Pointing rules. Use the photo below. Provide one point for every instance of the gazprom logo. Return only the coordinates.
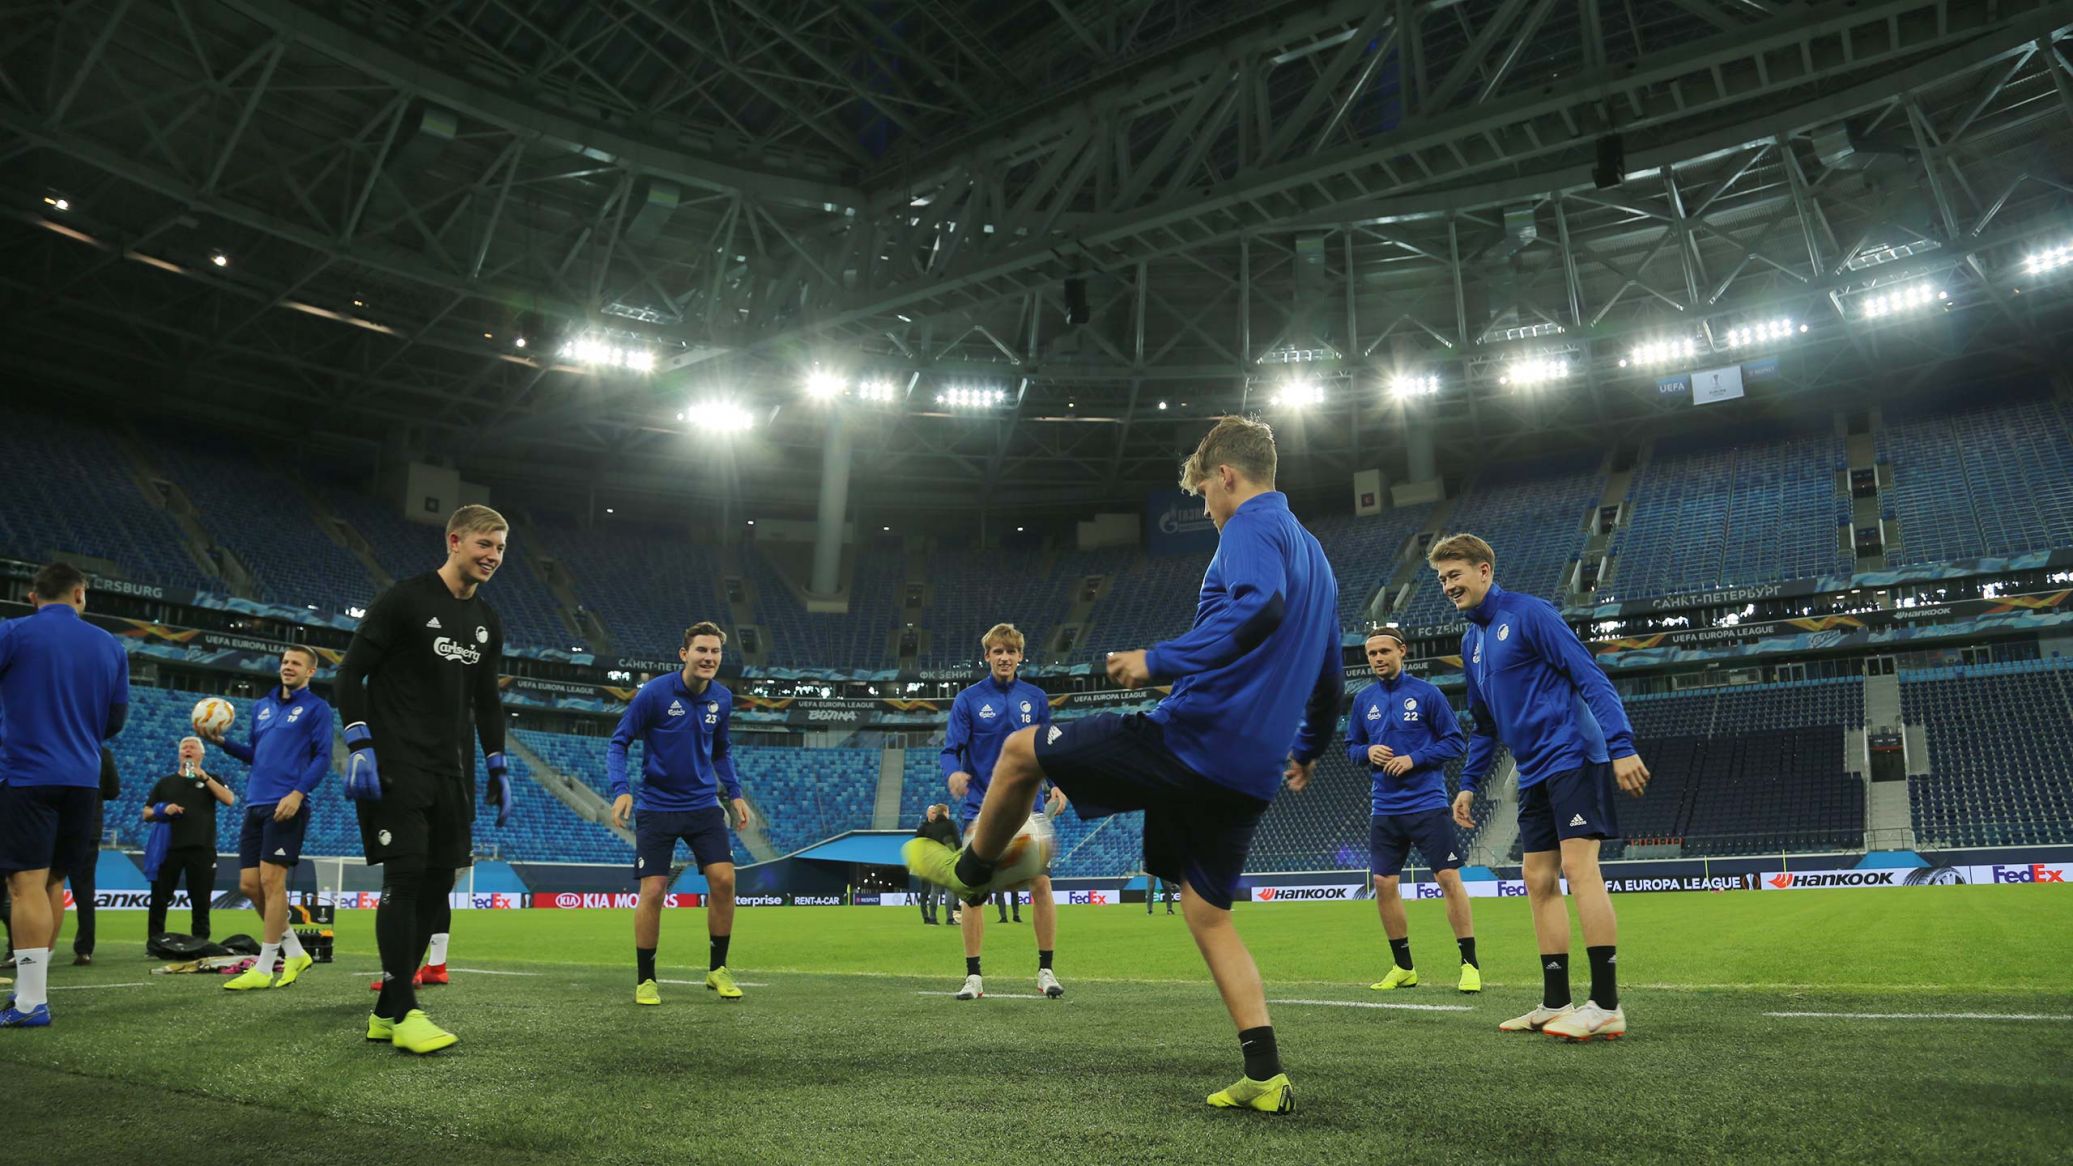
(1182, 519)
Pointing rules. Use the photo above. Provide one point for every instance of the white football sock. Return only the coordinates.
(268, 953)
(437, 955)
(31, 977)
(291, 946)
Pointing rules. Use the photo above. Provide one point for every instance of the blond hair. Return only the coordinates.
(1464, 546)
(1001, 633)
(475, 519)
(1243, 444)
(704, 627)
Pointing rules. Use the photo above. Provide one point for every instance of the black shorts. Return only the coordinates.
(49, 827)
(1576, 803)
(1194, 829)
(1391, 836)
(655, 834)
(262, 839)
(422, 817)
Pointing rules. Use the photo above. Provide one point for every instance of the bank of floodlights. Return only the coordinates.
(1410, 385)
(1533, 371)
(1762, 332)
(1900, 300)
(718, 415)
(1299, 393)
(2049, 259)
(1658, 352)
(971, 397)
(879, 391)
(601, 352)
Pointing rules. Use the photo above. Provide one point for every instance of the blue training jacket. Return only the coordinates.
(1257, 679)
(685, 758)
(288, 745)
(1411, 717)
(64, 688)
(981, 718)
(1534, 686)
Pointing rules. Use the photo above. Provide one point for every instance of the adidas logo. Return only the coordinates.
(1452, 857)
(676, 708)
(1051, 738)
(1554, 965)
(433, 622)
(1577, 821)
(281, 850)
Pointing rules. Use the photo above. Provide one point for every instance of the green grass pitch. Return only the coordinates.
(841, 1054)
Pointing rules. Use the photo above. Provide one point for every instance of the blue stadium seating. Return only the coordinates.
(970, 592)
(646, 584)
(2000, 753)
(70, 488)
(261, 515)
(1534, 516)
(860, 638)
(1717, 511)
(1980, 482)
(1748, 769)
(1363, 551)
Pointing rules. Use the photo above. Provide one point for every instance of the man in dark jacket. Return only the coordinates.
(186, 802)
(82, 879)
(941, 828)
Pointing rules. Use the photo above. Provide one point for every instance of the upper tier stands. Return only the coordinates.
(970, 591)
(1715, 511)
(860, 638)
(2000, 753)
(71, 488)
(647, 584)
(1534, 516)
(1363, 550)
(1982, 482)
(262, 516)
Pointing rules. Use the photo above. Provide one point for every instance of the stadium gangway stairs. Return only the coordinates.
(584, 802)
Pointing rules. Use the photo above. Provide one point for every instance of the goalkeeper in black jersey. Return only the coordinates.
(418, 682)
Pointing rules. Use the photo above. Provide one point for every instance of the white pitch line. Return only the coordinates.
(1378, 1004)
(494, 972)
(84, 987)
(991, 995)
(701, 983)
(1920, 1015)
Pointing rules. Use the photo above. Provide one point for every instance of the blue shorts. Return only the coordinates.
(1194, 829)
(1391, 836)
(655, 834)
(261, 839)
(1576, 803)
(49, 827)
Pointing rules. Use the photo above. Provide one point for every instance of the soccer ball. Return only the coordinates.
(213, 715)
(1028, 855)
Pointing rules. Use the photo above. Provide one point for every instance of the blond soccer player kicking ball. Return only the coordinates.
(1533, 686)
(1256, 687)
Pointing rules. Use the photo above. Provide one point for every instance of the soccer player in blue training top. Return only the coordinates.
(981, 718)
(686, 767)
(1403, 731)
(1256, 685)
(1533, 686)
(64, 689)
(422, 668)
(288, 746)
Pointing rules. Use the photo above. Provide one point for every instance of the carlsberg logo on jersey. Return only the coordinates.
(455, 650)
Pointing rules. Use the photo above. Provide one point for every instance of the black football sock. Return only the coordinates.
(645, 957)
(1605, 976)
(971, 965)
(1043, 959)
(973, 871)
(1554, 972)
(396, 938)
(718, 958)
(1468, 951)
(434, 909)
(1400, 949)
(1262, 1059)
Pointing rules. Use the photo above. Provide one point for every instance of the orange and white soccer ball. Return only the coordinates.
(1028, 854)
(213, 715)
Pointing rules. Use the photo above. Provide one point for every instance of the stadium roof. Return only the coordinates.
(341, 218)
